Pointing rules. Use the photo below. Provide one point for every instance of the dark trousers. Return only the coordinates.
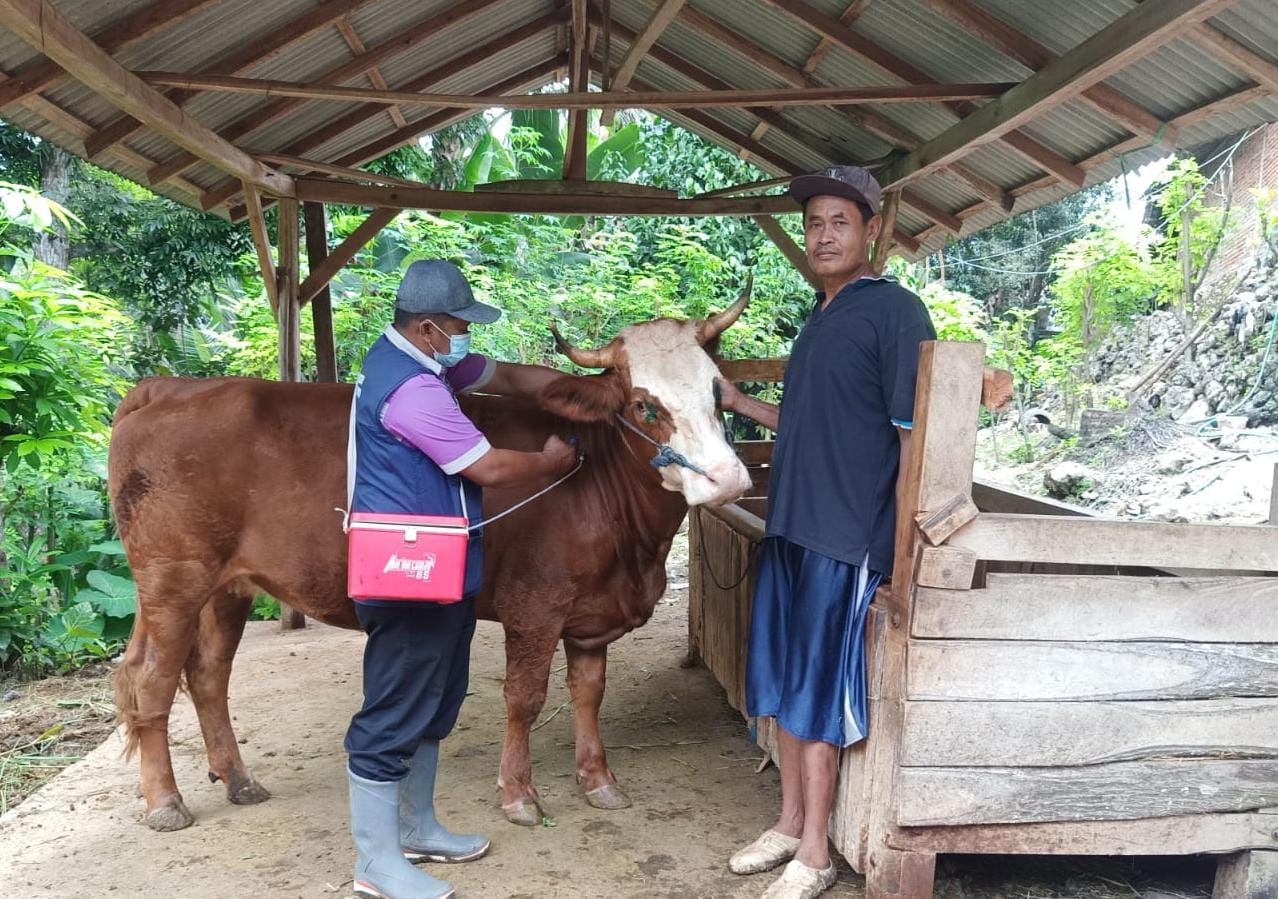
(416, 670)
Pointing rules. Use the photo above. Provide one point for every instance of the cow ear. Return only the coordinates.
(584, 398)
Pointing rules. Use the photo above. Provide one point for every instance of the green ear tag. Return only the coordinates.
(650, 413)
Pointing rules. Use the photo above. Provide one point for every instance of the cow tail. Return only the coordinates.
(125, 689)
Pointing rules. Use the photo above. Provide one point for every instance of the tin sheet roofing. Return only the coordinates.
(766, 48)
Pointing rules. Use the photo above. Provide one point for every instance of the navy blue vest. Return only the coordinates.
(395, 477)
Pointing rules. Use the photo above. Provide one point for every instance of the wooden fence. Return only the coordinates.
(1040, 682)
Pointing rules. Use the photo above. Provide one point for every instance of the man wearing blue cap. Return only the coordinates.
(418, 454)
(843, 425)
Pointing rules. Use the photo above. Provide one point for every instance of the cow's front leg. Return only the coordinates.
(587, 673)
(528, 658)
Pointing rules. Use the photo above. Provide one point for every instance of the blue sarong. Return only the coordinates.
(806, 665)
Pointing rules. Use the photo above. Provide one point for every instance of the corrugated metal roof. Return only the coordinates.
(1169, 81)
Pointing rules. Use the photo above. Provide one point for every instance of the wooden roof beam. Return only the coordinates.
(1263, 71)
(578, 82)
(1106, 52)
(43, 72)
(585, 100)
(475, 56)
(1033, 55)
(520, 83)
(41, 25)
(752, 143)
(662, 16)
(242, 58)
(1043, 156)
(854, 11)
(338, 171)
(360, 65)
(357, 46)
(863, 115)
(517, 202)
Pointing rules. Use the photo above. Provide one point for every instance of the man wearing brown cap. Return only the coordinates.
(841, 430)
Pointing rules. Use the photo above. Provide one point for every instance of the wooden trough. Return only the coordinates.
(1039, 682)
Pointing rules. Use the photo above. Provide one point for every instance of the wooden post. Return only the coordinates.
(1273, 497)
(937, 466)
(322, 304)
(883, 246)
(791, 250)
(289, 317)
(578, 80)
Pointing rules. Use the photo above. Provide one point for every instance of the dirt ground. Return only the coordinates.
(680, 751)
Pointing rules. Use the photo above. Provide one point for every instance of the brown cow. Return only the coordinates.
(225, 487)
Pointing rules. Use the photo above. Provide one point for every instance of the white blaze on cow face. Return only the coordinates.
(666, 362)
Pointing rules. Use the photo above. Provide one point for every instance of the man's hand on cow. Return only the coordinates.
(559, 454)
(729, 395)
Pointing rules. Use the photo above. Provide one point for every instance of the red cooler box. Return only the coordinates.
(409, 557)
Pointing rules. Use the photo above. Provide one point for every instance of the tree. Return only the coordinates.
(1008, 264)
(1193, 233)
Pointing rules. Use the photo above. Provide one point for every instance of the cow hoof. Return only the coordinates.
(609, 796)
(168, 818)
(525, 812)
(250, 793)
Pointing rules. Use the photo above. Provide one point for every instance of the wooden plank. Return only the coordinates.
(375, 78)
(42, 73)
(755, 452)
(1119, 791)
(362, 63)
(1220, 45)
(1273, 497)
(40, 24)
(662, 16)
(760, 479)
(1096, 541)
(1039, 734)
(1248, 875)
(738, 519)
(344, 252)
(696, 589)
(341, 171)
(1009, 671)
(948, 518)
(789, 249)
(262, 243)
(1181, 835)
(938, 464)
(1090, 608)
(759, 370)
(850, 822)
(996, 389)
(544, 204)
(1108, 51)
(260, 49)
(577, 188)
(585, 100)
(946, 568)
(322, 302)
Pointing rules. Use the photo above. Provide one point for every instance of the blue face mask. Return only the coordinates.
(458, 349)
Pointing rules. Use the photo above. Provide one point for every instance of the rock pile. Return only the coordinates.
(1219, 373)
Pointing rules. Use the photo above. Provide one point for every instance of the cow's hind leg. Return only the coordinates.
(587, 674)
(169, 600)
(527, 676)
(208, 675)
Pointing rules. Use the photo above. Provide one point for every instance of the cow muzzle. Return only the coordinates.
(723, 482)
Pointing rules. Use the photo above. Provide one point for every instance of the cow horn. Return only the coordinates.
(716, 324)
(601, 358)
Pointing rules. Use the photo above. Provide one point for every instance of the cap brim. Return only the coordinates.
(805, 187)
(477, 313)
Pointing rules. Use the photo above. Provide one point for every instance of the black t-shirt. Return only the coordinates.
(848, 386)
